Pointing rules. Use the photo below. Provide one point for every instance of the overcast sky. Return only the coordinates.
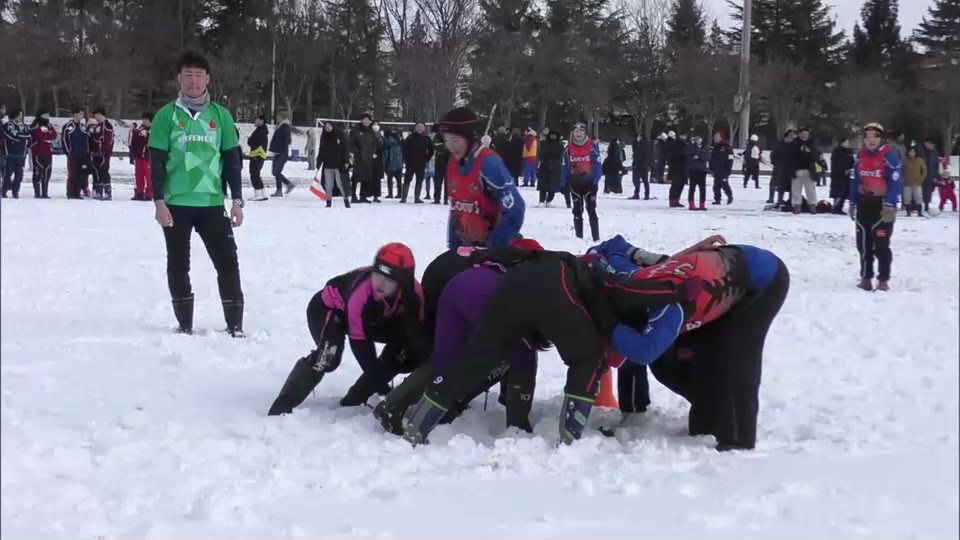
(847, 12)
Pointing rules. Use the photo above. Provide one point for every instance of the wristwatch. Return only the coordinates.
(238, 203)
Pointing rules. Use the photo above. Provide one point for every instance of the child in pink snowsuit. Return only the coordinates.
(946, 187)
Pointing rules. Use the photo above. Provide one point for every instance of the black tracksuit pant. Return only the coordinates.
(256, 179)
(100, 166)
(440, 178)
(752, 171)
(718, 366)
(677, 181)
(583, 193)
(698, 179)
(407, 178)
(641, 174)
(42, 169)
(78, 167)
(722, 184)
(873, 238)
(540, 297)
(213, 225)
(13, 175)
(279, 162)
(391, 176)
(633, 390)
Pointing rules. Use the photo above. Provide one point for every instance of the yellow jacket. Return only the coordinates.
(530, 148)
(258, 153)
(914, 171)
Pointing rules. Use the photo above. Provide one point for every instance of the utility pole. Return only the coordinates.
(742, 101)
(273, 83)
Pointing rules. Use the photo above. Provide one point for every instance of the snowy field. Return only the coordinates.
(114, 427)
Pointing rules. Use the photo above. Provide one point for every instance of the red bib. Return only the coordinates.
(474, 214)
(872, 169)
(581, 158)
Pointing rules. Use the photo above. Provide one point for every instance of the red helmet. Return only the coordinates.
(395, 261)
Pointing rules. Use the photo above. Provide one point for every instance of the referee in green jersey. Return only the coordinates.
(192, 152)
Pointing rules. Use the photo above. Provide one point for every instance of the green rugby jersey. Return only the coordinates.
(194, 144)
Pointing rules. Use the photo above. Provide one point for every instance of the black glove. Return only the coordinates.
(367, 384)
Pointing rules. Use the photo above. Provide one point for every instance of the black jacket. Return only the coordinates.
(282, 137)
(551, 160)
(841, 161)
(782, 156)
(700, 158)
(258, 139)
(333, 151)
(641, 155)
(721, 160)
(417, 151)
(805, 156)
(614, 152)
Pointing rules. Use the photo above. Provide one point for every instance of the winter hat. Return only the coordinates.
(526, 243)
(663, 136)
(395, 261)
(754, 138)
(461, 121)
(672, 134)
(367, 116)
(532, 132)
(874, 126)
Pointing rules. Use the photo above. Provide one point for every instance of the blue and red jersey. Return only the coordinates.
(581, 159)
(876, 174)
(486, 209)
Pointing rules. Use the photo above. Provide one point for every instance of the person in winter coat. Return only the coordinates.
(514, 154)
(363, 149)
(551, 165)
(374, 304)
(76, 142)
(581, 173)
(280, 148)
(874, 190)
(805, 159)
(142, 187)
(841, 166)
(751, 161)
(101, 150)
(417, 151)
(393, 161)
(699, 162)
(529, 158)
(914, 173)
(933, 166)
(613, 167)
(660, 157)
(375, 188)
(498, 142)
(486, 208)
(641, 168)
(332, 157)
(42, 136)
(676, 151)
(17, 137)
(441, 158)
(946, 187)
(721, 165)
(257, 142)
(783, 168)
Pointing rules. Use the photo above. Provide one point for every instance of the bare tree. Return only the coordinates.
(645, 92)
(786, 89)
(452, 23)
(865, 97)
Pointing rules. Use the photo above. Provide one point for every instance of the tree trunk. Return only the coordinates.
(311, 119)
(117, 111)
(36, 99)
(543, 116)
(508, 116)
(56, 100)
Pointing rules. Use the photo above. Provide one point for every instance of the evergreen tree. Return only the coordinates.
(800, 31)
(939, 33)
(687, 26)
(718, 42)
(877, 42)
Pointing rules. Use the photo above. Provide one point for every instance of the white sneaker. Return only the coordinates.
(540, 205)
(259, 195)
(548, 205)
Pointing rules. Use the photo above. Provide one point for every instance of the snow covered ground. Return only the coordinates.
(114, 427)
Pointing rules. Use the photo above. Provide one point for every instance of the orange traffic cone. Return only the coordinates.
(605, 397)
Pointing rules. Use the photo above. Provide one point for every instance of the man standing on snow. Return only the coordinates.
(41, 148)
(257, 142)
(874, 190)
(580, 174)
(486, 208)
(721, 164)
(417, 149)
(17, 136)
(76, 142)
(101, 150)
(806, 157)
(193, 150)
(280, 148)
(363, 149)
(641, 168)
(751, 162)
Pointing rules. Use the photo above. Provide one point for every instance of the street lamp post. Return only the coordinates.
(743, 96)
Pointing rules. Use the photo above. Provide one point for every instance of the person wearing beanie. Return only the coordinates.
(752, 155)
(580, 173)
(486, 208)
(456, 290)
(380, 303)
(17, 136)
(41, 148)
(874, 191)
